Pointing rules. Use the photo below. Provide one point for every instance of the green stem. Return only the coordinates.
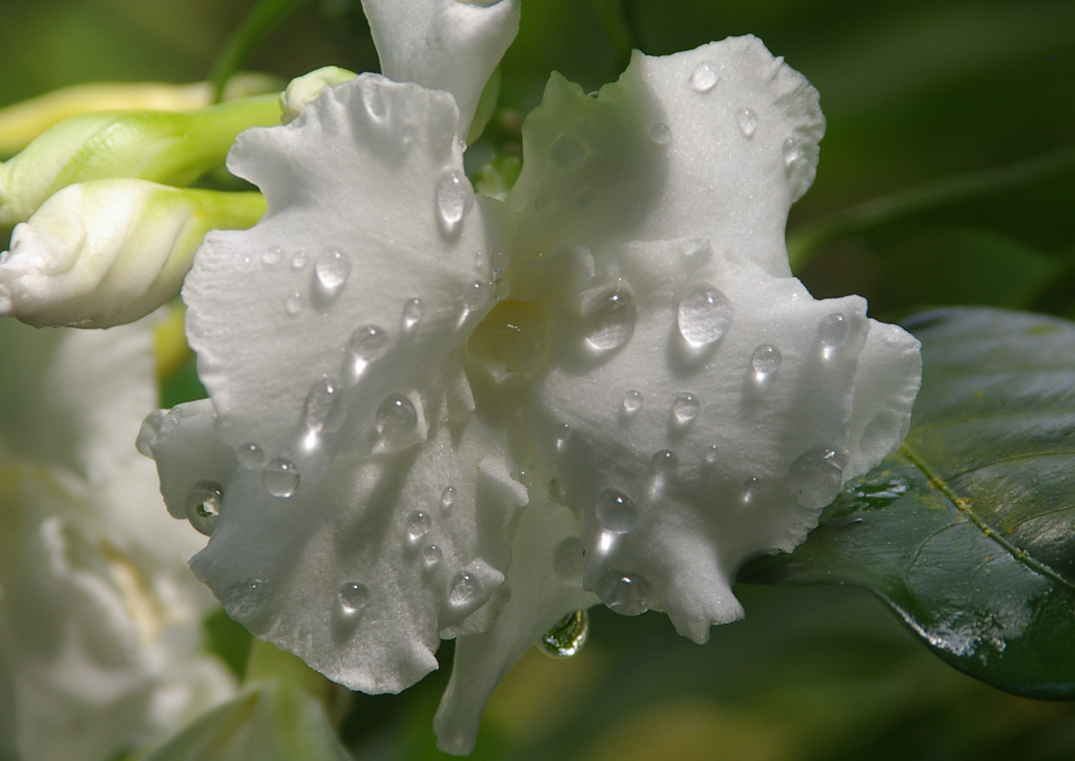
(617, 29)
(804, 244)
(255, 27)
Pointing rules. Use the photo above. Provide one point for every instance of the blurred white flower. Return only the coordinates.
(437, 415)
(100, 622)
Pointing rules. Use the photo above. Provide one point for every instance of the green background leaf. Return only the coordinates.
(968, 531)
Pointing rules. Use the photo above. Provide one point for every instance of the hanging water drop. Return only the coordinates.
(832, 332)
(765, 361)
(332, 270)
(685, 409)
(632, 403)
(412, 315)
(660, 133)
(747, 121)
(280, 477)
(703, 316)
(418, 525)
(454, 198)
(704, 77)
(628, 594)
(665, 461)
(465, 590)
(567, 152)
(815, 478)
(567, 636)
(569, 558)
(250, 455)
(272, 256)
(204, 501)
(395, 419)
(447, 497)
(368, 344)
(610, 319)
(616, 512)
(352, 599)
(431, 557)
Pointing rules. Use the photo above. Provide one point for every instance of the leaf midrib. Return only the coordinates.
(963, 505)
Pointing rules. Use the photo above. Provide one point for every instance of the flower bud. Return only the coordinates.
(302, 90)
(173, 148)
(104, 253)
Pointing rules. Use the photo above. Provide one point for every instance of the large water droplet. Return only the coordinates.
(412, 315)
(685, 409)
(832, 332)
(418, 525)
(569, 558)
(280, 477)
(455, 198)
(431, 557)
(323, 409)
(250, 455)
(704, 77)
(704, 315)
(332, 270)
(660, 133)
(610, 319)
(447, 498)
(465, 590)
(293, 303)
(632, 403)
(816, 476)
(352, 599)
(203, 506)
(567, 636)
(665, 461)
(272, 256)
(395, 418)
(628, 594)
(747, 121)
(567, 151)
(765, 361)
(616, 512)
(368, 344)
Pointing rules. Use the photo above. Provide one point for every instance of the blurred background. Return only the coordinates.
(947, 176)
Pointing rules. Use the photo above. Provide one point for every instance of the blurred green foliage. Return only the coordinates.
(915, 93)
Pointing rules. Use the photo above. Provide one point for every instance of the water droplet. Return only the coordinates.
(765, 360)
(395, 417)
(352, 599)
(250, 455)
(567, 151)
(245, 600)
(280, 477)
(476, 296)
(464, 590)
(272, 256)
(628, 594)
(322, 407)
(696, 252)
(293, 303)
(815, 478)
(203, 506)
(524, 477)
(373, 100)
(750, 489)
(299, 260)
(616, 512)
(567, 636)
(447, 497)
(332, 270)
(704, 315)
(660, 133)
(454, 197)
(711, 455)
(479, 260)
(418, 525)
(610, 319)
(431, 556)
(832, 332)
(665, 461)
(569, 558)
(632, 403)
(685, 409)
(556, 491)
(368, 344)
(793, 153)
(412, 314)
(704, 77)
(563, 430)
(747, 121)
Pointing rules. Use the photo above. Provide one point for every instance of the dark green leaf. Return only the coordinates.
(968, 532)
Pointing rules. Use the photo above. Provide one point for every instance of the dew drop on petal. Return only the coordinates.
(632, 403)
(280, 477)
(569, 558)
(704, 77)
(750, 490)
(832, 332)
(660, 133)
(322, 406)
(476, 295)
(250, 455)
(685, 409)
(523, 477)
(704, 315)
(395, 417)
(454, 199)
(299, 260)
(610, 319)
(418, 525)
(272, 256)
(431, 556)
(412, 314)
(747, 120)
(567, 152)
(616, 512)
(293, 303)
(246, 600)
(352, 599)
(567, 636)
(711, 454)
(765, 361)
(563, 430)
(447, 497)
(793, 153)
(332, 270)
(373, 100)
(665, 461)
(815, 478)
(464, 590)
(368, 344)
(204, 501)
(628, 594)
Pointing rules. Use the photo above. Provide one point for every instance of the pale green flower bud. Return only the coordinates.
(173, 148)
(302, 90)
(107, 252)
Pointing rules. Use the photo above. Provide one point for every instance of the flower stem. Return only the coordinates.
(255, 27)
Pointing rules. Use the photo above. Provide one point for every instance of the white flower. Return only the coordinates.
(99, 621)
(434, 415)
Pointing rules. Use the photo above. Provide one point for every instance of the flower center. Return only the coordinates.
(513, 338)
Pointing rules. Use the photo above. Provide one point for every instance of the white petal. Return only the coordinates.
(451, 45)
(662, 154)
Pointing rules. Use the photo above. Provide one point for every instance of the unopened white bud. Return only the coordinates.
(302, 90)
